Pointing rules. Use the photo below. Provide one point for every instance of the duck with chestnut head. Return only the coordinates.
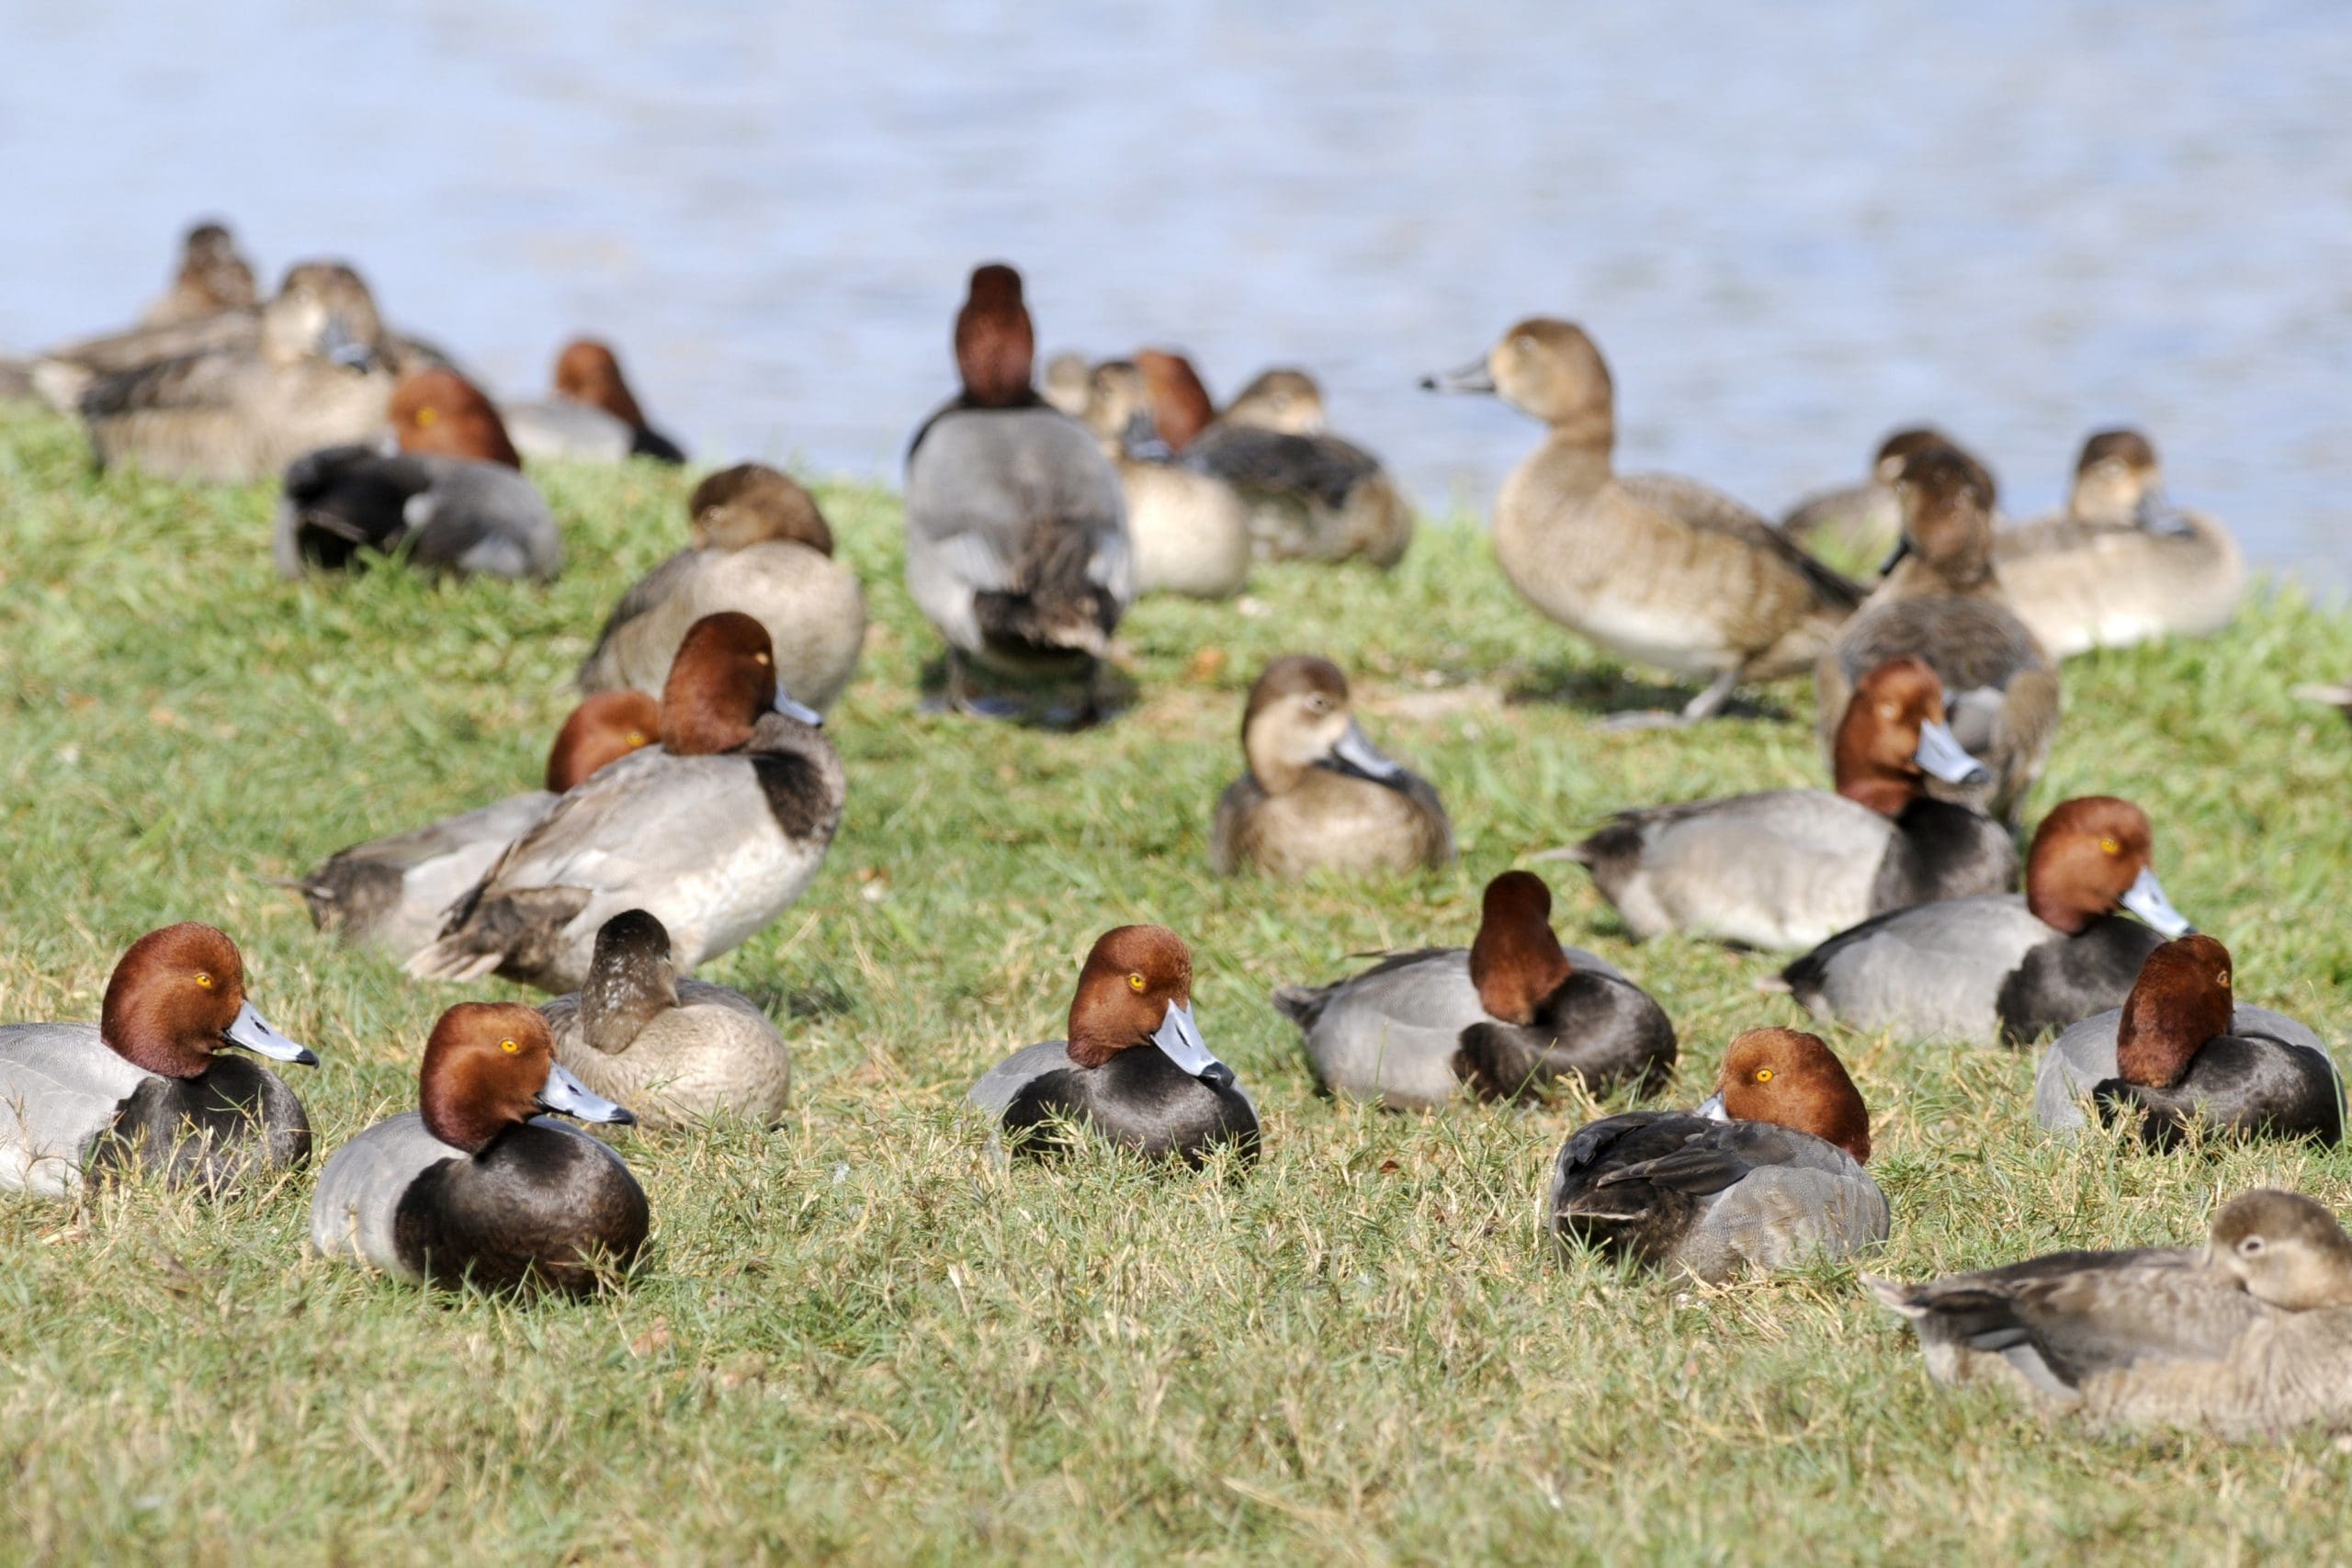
(479, 1186)
(151, 1088)
(593, 417)
(1133, 1070)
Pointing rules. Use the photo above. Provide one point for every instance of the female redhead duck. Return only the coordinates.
(453, 497)
(1017, 547)
(759, 545)
(1654, 570)
(1788, 868)
(476, 1185)
(212, 278)
(2183, 1049)
(1768, 1173)
(1133, 1070)
(1514, 1012)
(2252, 1335)
(1318, 795)
(1189, 530)
(392, 894)
(593, 417)
(714, 832)
(1971, 969)
(1860, 524)
(146, 1088)
(1942, 602)
(679, 1052)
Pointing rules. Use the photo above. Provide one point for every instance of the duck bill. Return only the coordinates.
(1941, 755)
(2145, 897)
(800, 711)
(1179, 1039)
(1475, 377)
(2156, 514)
(1355, 753)
(567, 1096)
(253, 1031)
(1140, 441)
(1712, 1107)
(341, 348)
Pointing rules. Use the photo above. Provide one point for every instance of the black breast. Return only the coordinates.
(542, 1205)
(347, 498)
(2247, 1085)
(1140, 1100)
(1943, 851)
(2066, 979)
(1604, 1030)
(799, 796)
(232, 1121)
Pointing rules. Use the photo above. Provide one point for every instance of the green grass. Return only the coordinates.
(851, 1336)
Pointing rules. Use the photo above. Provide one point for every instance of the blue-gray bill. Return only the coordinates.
(253, 1031)
(1179, 1039)
(570, 1097)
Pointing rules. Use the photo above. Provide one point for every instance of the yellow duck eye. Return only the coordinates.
(511, 1047)
(204, 979)
(2111, 846)
(1763, 1075)
(635, 737)
(425, 416)
(2224, 978)
(1135, 982)
(761, 659)
(1889, 712)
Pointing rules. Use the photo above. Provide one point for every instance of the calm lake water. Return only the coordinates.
(2021, 221)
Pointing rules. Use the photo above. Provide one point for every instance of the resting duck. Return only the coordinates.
(2182, 1050)
(714, 832)
(1134, 1071)
(593, 417)
(1189, 530)
(1514, 1012)
(1318, 795)
(1766, 1174)
(759, 545)
(212, 278)
(1787, 868)
(146, 1089)
(1974, 969)
(475, 1187)
(1858, 525)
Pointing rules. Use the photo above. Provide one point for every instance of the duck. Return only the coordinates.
(1315, 794)
(2120, 565)
(392, 895)
(714, 831)
(1785, 870)
(149, 1089)
(2182, 1049)
(1133, 1070)
(758, 544)
(476, 1185)
(2250, 1334)
(1861, 522)
(452, 499)
(1017, 543)
(1189, 530)
(1311, 495)
(1770, 1172)
(593, 417)
(1657, 571)
(213, 276)
(2001, 967)
(1943, 602)
(1515, 1011)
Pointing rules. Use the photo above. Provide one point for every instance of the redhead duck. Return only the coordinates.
(2182, 1048)
(1654, 570)
(393, 894)
(1971, 969)
(1134, 1069)
(759, 545)
(1943, 603)
(452, 499)
(677, 1051)
(475, 1187)
(2119, 564)
(2250, 1334)
(1317, 795)
(1189, 530)
(1769, 1172)
(593, 417)
(1514, 1012)
(714, 832)
(212, 278)
(1788, 868)
(146, 1088)
(1017, 547)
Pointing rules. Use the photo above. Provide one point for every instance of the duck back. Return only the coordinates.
(1331, 821)
(1138, 1100)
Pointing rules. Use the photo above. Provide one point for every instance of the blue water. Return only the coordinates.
(2020, 221)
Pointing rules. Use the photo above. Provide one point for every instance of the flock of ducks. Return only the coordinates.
(692, 796)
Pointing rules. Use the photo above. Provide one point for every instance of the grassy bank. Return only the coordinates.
(852, 1337)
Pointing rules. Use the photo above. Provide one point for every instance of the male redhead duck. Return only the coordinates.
(1943, 603)
(393, 894)
(2003, 966)
(1317, 795)
(1189, 530)
(452, 500)
(1767, 1173)
(475, 1187)
(1512, 1013)
(1858, 525)
(2119, 564)
(2250, 1336)
(759, 545)
(714, 832)
(212, 278)
(1656, 570)
(678, 1052)
(1017, 547)
(146, 1088)
(2182, 1049)
(1133, 1070)
(593, 417)
(1786, 869)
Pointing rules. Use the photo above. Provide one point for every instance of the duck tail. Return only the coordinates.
(454, 958)
(1301, 1004)
(1059, 600)
(1896, 1295)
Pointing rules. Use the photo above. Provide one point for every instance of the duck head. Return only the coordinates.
(179, 996)
(604, 728)
(1895, 736)
(1282, 399)
(1550, 369)
(1946, 500)
(1117, 407)
(1298, 717)
(2090, 856)
(722, 680)
(995, 346)
(323, 309)
(2119, 481)
(2283, 1248)
(588, 371)
(751, 504)
(1515, 961)
(439, 414)
(1063, 383)
(2181, 999)
(1181, 405)
(491, 1065)
(631, 980)
(211, 266)
(1792, 1080)
(1137, 991)
(1886, 464)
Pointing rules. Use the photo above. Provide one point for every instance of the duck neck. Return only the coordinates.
(625, 995)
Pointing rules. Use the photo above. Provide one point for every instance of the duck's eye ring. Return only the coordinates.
(1136, 983)
(2223, 978)
(1319, 703)
(2111, 846)
(512, 1047)
(204, 979)
(1763, 1075)
(2250, 1245)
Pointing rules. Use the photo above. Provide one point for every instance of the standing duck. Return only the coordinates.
(593, 417)
(1654, 570)
(1860, 524)
(1189, 530)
